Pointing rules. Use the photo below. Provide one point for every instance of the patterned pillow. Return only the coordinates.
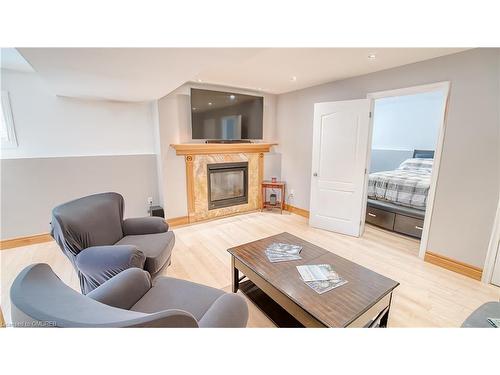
(417, 164)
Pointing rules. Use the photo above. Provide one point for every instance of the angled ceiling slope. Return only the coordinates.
(125, 74)
(141, 74)
(11, 59)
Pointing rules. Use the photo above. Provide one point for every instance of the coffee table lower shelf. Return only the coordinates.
(277, 314)
(285, 313)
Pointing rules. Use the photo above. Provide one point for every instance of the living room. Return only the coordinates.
(200, 186)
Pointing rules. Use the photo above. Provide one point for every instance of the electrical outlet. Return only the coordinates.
(150, 201)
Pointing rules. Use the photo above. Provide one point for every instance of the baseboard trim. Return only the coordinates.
(296, 210)
(25, 241)
(454, 265)
(176, 221)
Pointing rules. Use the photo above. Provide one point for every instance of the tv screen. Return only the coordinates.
(225, 115)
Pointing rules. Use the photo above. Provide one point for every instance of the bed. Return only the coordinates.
(397, 199)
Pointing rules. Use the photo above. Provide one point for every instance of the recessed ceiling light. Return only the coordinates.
(209, 103)
(194, 108)
(293, 79)
(372, 56)
(232, 97)
(199, 80)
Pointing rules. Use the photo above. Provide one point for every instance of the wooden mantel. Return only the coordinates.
(220, 148)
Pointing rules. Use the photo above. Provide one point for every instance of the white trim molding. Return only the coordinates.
(437, 86)
(10, 140)
(492, 253)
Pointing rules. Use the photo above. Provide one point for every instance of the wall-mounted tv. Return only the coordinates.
(217, 115)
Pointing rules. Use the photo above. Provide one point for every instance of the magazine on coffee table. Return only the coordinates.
(495, 322)
(323, 286)
(320, 277)
(317, 272)
(285, 248)
(282, 252)
(275, 259)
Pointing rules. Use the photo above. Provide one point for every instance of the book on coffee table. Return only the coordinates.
(320, 277)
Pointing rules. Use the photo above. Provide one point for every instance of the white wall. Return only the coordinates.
(402, 124)
(175, 127)
(48, 125)
(468, 184)
(407, 122)
(69, 148)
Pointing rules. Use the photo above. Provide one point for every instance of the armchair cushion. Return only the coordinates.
(209, 306)
(169, 293)
(123, 290)
(144, 225)
(170, 319)
(228, 311)
(156, 247)
(97, 264)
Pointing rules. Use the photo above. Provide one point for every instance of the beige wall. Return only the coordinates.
(174, 126)
(468, 184)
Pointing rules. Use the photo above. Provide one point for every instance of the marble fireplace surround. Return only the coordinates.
(198, 155)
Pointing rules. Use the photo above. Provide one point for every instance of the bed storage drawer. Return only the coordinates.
(408, 225)
(380, 218)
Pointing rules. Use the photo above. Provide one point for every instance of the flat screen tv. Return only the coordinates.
(217, 115)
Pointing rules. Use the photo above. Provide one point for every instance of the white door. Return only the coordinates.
(340, 146)
(495, 279)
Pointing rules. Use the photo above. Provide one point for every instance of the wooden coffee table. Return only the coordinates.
(363, 302)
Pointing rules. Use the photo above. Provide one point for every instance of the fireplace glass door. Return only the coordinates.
(227, 184)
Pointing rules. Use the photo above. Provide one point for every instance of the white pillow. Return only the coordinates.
(417, 164)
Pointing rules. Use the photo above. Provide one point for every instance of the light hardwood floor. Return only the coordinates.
(429, 296)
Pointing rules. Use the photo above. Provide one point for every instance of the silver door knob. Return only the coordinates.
(315, 174)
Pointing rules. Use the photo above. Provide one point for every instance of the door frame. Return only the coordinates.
(443, 86)
(493, 247)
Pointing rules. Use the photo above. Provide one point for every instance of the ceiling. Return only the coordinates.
(141, 74)
(208, 100)
(11, 59)
(272, 70)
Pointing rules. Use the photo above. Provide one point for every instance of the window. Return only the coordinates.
(7, 131)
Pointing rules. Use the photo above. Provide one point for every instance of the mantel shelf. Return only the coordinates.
(220, 148)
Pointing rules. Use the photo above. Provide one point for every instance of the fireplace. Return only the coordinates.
(227, 184)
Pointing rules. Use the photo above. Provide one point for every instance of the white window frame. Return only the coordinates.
(11, 141)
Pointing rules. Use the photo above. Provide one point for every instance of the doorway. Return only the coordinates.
(406, 136)
(342, 142)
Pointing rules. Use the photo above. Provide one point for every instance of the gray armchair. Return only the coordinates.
(40, 299)
(479, 317)
(100, 244)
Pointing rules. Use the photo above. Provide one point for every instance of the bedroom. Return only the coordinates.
(403, 171)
